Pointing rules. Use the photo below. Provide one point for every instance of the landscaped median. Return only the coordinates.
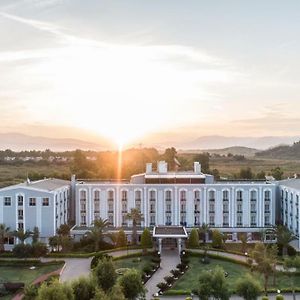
(25, 272)
(188, 282)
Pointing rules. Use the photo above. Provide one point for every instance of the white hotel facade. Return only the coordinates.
(186, 199)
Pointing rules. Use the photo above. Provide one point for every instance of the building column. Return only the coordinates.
(179, 245)
(159, 245)
(146, 213)
(177, 211)
(204, 211)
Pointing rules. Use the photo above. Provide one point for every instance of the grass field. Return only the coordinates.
(133, 263)
(10, 174)
(189, 280)
(228, 167)
(24, 274)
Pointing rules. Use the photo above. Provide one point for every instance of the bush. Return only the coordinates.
(98, 257)
(169, 279)
(146, 239)
(163, 286)
(30, 292)
(121, 238)
(265, 298)
(147, 269)
(181, 267)
(279, 297)
(175, 273)
(193, 240)
(83, 288)
(22, 250)
(105, 274)
(39, 249)
(217, 239)
(131, 284)
(248, 288)
(290, 250)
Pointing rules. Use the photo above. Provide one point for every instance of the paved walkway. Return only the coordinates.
(169, 260)
(77, 267)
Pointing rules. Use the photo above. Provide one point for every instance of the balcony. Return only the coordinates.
(197, 223)
(211, 211)
(168, 223)
(168, 211)
(124, 211)
(152, 211)
(253, 225)
(196, 211)
(110, 211)
(226, 211)
(226, 224)
(20, 218)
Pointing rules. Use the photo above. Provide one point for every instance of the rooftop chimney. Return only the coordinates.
(162, 167)
(197, 167)
(148, 168)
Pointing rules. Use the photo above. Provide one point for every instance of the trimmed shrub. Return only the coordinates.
(169, 279)
(175, 273)
(279, 297)
(22, 250)
(193, 240)
(162, 286)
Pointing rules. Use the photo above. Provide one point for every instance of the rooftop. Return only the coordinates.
(292, 183)
(169, 231)
(47, 184)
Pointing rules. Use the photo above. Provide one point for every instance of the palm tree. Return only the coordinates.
(4, 233)
(96, 232)
(22, 235)
(284, 237)
(203, 232)
(136, 217)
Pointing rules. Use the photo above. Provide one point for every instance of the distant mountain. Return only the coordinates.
(282, 152)
(18, 142)
(221, 142)
(249, 152)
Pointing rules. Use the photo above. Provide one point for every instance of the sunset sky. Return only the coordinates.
(123, 69)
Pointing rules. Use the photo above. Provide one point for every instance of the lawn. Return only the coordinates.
(189, 280)
(24, 274)
(133, 262)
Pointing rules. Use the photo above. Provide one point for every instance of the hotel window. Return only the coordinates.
(20, 226)
(20, 214)
(239, 195)
(253, 196)
(152, 208)
(225, 220)
(124, 195)
(45, 201)
(124, 220)
(211, 205)
(7, 201)
(182, 195)
(168, 196)
(211, 220)
(239, 206)
(168, 208)
(110, 195)
(197, 195)
(239, 220)
(168, 220)
(225, 206)
(111, 219)
(96, 195)
(267, 196)
(152, 195)
(225, 195)
(138, 199)
(253, 220)
(152, 220)
(20, 201)
(211, 195)
(267, 220)
(32, 201)
(83, 220)
(267, 207)
(110, 206)
(96, 201)
(124, 206)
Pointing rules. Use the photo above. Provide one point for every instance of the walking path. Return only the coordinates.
(169, 260)
(77, 267)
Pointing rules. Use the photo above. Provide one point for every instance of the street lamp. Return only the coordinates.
(278, 292)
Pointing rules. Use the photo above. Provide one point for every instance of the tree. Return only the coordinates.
(246, 173)
(64, 230)
(116, 293)
(22, 235)
(100, 295)
(170, 156)
(55, 291)
(277, 173)
(35, 235)
(53, 242)
(105, 274)
(261, 175)
(284, 237)
(248, 287)
(96, 232)
(213, 284)
(83, 288)
(30, 292)
(146, 239)
(289, 265)
(132, 286)
(244, 240)
(264, 262)
(217, 239)
(193, 240)
(4, 233)
(136, 217)
(121, 238)
(203, 232)
(39, 249)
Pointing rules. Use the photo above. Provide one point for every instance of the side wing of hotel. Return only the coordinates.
(172, 203)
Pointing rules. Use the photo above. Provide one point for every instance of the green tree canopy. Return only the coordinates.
(131, 283)
(84, 288)
(105, 274)
(248, 287)
(146, 239)
(55, 291)
(193, 240)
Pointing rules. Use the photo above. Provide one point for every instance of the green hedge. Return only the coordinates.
(29, 262)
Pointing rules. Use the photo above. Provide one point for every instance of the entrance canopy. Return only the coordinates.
(169, 232)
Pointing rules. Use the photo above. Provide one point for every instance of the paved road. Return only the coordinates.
(169, 260)
(77, 267)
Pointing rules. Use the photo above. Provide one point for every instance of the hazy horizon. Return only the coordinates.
(126, 71)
